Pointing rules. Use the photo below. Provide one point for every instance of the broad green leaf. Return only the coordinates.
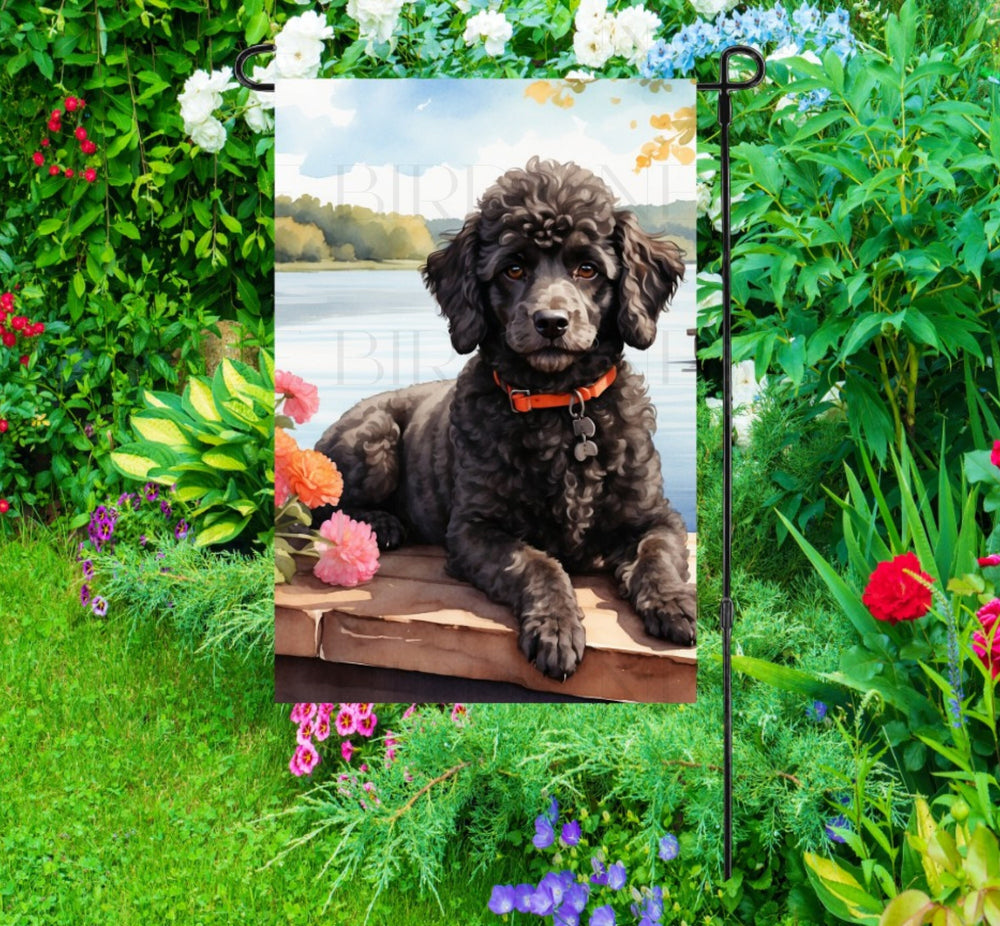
(907, 909)
(225, 459)
(199, 396)
(160, 431)
(841, 893)
(221, 531)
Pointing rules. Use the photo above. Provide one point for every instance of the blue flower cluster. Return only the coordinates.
(564, 897)
(804, 28)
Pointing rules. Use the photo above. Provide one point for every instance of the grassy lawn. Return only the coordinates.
(133, 774)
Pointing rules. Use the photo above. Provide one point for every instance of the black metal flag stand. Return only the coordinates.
(725, 86)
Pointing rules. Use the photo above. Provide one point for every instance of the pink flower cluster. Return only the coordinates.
(986, 641)
(313, 721)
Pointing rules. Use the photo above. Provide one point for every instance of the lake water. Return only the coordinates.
(354, 333)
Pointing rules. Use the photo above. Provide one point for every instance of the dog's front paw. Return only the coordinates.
(669, 614)
(553, 642)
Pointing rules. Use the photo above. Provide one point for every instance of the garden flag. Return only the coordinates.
(485, 444)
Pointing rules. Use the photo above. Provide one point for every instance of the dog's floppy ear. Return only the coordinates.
(650, 271)
(450, 275)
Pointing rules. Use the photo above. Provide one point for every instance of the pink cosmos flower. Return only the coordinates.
(347, 720)
(986, 642)
(366, 724)
(301, 398)
(346, 750)
(351, 557)
(305, 759)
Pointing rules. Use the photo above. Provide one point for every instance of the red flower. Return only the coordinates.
(54, 171)
(992, 560)
(995, 455)
(3, 425)
(986, 649)
(4, 506)
(37, 329)
(56, 114)
(69, 171)
(24, 360)
(8, 338)
(81, 133)
(18, 322)
(45, 143)
(90, 175)
(88, 147)
(894, 594)
(7, 301)
(38, 158)
(54, 125)
(71, 103)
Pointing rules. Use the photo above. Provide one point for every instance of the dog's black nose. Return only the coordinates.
(551, 325)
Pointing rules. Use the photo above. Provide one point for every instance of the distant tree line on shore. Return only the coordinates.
(308, 230)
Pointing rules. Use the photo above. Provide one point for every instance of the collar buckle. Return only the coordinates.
(515, 394)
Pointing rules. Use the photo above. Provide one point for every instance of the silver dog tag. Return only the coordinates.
(584, 427)
(585, 449)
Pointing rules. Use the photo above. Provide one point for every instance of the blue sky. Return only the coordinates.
(432, 146)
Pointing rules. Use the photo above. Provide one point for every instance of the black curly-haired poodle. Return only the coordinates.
(538, 459)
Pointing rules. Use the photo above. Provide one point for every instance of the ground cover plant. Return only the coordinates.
(150, 775)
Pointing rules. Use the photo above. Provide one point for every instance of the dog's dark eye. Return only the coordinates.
(514, 272)
(586, 271)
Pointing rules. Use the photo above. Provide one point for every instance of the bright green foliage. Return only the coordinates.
(213, 444)
(868, 231)
(128, 271)
(953, 877)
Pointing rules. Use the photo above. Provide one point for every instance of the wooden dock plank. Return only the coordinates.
(414, 617)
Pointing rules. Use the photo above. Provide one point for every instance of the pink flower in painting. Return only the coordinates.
(351, 557)
(281, 488)
(301, 398)
(347, 720)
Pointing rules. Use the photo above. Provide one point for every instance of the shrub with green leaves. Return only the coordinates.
(213, 444)
(868, 229)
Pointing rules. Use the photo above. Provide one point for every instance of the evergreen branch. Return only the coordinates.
(454, 770)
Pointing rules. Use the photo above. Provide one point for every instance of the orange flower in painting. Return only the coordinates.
(284, 446)
(314, 478)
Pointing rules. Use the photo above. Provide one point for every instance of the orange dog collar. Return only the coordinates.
(524, 400)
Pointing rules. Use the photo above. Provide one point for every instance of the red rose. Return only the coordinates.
(18, 322)
(81, 133)
(24, 360)
(37, 329)
(90, 175)
(894, 594)
(995, 455)
(3, 425)
(7, 301)
(54, 125)
(70, 104)
(88, 147)
(69, 171)
(992, 560)
(4, 506)
(38, 158)
(45, 143)
(54, 171)
(986, 642)
(8, 338)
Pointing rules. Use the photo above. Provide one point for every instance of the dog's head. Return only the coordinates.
(547, 268)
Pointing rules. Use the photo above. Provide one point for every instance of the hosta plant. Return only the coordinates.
(213, 445)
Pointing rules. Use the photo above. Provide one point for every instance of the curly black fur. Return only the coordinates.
(549, 281)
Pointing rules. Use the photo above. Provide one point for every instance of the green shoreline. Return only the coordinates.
(306, 266)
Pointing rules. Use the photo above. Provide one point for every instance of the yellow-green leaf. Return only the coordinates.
(132, 465)
(200, 397)
(222, 531)
(221, 458)
(160, 431)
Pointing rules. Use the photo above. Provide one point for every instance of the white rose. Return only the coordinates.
(209, 135)
(202, 94)
(491, 26)
(711, 8)
(376, 19)
(589, 13)
(299, 45)
(594, 46)
(633, 32)
(256, 116)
